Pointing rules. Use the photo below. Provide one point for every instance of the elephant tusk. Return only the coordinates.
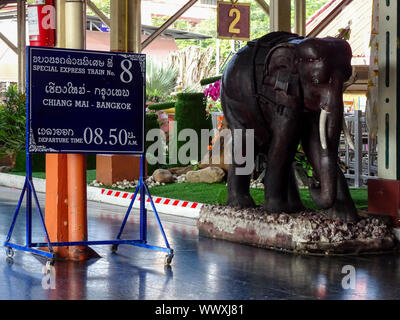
(347, 135)
(322, 128)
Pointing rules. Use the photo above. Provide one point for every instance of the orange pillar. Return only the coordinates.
(56, 206)
(75, 29)
(66, 214)
(77, 210)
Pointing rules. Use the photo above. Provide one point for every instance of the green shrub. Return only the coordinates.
(12, 122)
(37, 160)
(161, 106)
(190, 112)
(207, 81)
(90, 162)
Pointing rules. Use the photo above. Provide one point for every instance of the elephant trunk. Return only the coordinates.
(331, 119)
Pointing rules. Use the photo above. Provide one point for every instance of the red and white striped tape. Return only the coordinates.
(164, 205)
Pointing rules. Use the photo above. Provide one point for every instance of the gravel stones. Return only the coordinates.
(301, 231)
(125, 184)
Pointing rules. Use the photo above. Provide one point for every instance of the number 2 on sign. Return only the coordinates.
(234, 12)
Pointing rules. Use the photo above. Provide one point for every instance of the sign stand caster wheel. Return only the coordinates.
(10, 252)
(168, 259)
(114, 248)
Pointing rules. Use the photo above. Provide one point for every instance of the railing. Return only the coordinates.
(362, 163)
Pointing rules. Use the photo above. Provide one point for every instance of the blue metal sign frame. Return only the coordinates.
(29, 189)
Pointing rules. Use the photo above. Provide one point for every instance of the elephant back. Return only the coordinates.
(242, 83)
(261, 48)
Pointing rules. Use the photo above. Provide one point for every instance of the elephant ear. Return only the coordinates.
(280, 69)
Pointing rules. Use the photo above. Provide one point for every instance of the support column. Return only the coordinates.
(56, 205)
(66, 210)
(125, 36)
(21, 18)
(60, 35)
(280, 15)
(300, 17)
(126, 28)
(384, 194)
(75, 29)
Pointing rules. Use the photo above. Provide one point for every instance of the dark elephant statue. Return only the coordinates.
(289, 90)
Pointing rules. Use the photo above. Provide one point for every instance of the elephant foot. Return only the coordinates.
(346, 212)
(241, 201)
(280, 206)
(295, 207)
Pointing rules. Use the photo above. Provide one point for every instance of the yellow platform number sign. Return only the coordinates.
(233, 20)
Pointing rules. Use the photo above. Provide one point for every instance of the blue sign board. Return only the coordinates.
(83, 101)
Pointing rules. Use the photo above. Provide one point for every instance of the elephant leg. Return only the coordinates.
(239, 189)
(343, 208)
(294, 200)
(239, 183)
(281, 194)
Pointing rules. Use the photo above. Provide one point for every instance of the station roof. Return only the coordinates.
(11, 13)
(147, 30)
(176, 34)
(337, 14)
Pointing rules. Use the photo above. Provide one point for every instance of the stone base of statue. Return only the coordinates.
(306, 232)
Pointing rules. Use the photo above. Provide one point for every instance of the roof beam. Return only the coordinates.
(167, 23)
(11, 45)
(99, 13)
(335, 12)
(263, 6)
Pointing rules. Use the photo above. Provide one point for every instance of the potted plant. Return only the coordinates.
(214, 108)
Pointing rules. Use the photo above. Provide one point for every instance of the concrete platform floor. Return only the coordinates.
(202, 268)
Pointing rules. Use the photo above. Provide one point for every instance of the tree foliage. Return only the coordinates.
(160, 80)
(12, 121)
